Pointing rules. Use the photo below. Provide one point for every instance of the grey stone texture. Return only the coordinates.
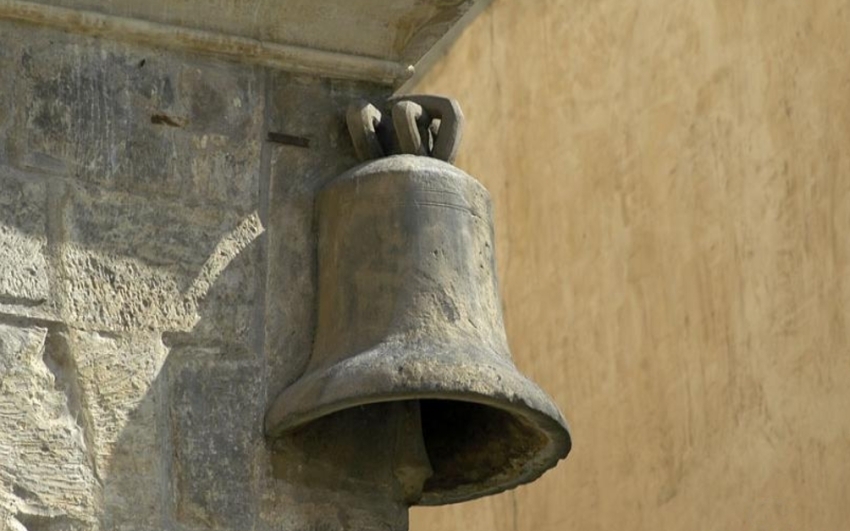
(23, 241)
(138, 263)
(215, 418)
(156, 287)
(136, 120)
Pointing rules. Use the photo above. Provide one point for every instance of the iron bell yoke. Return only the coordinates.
(409, 309)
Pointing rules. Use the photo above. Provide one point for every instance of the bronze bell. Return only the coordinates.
(408, 310)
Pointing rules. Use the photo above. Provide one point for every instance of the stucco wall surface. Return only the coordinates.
(672, 190)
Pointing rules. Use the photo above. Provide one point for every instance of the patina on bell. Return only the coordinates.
(408, 309)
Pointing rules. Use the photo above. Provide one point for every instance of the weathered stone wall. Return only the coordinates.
(142, 329)
(672, 193)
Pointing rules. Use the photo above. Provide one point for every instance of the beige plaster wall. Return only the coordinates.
(672, 186)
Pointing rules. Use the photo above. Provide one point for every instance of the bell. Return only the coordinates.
(408, 310)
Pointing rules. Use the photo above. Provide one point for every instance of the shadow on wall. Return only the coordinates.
(117, 426)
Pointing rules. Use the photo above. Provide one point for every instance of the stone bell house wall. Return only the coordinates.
(138, 193)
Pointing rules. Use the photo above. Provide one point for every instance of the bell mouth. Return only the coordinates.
(474, 444)
(467, 446)
(486, 428)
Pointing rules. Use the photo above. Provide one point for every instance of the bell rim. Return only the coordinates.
(524, 399)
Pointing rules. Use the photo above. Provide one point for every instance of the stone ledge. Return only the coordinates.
(375, 40)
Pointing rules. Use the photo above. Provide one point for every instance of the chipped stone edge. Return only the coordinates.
(285, 57)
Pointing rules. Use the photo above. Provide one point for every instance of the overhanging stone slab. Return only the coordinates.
(376, 40)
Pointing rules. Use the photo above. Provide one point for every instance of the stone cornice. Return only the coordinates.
(286, 57)
(339, 50)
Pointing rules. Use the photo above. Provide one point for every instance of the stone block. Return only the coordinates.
(24, 283)
(215, 419)
(117, 380)
(313, 109)
(8, 52)
(132, 263)
(130, 119)
(46, 473)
